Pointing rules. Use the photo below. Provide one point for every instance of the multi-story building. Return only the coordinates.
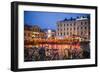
(69, 27)
(31, 32)
(27, 33)
(37, 32)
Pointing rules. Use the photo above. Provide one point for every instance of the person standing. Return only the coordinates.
(42, 53)
(66, 54)
(36, 56)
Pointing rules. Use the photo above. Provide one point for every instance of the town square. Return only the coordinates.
(56, 36)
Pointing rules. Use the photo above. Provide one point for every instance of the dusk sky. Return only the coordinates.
(47, 19)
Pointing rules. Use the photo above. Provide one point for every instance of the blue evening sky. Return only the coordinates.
(47, 19)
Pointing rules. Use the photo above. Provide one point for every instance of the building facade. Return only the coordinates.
(33, 32)
(27, 33)
(37, 32)
(69, 27)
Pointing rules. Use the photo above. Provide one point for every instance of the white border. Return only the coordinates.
(22, 64)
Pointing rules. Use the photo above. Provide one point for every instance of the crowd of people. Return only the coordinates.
(45, 54)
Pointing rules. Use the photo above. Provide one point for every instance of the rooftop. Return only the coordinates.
(76, 19)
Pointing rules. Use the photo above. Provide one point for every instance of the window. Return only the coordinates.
(61, 34)
(85, 22)
(70, 28)
(77, 28)
(67, 33)
(74, 28)
(81, 23)
(70, 33)
(64, 33)
(67, 29)
(64, 28)
(85, 28)
(58, 29)
(81, 28)
(67, 24)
